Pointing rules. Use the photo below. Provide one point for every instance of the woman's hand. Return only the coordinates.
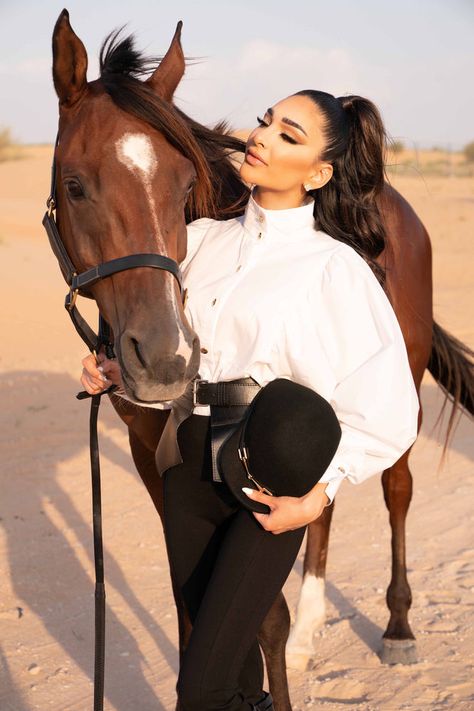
(289, 512)
(97, 375)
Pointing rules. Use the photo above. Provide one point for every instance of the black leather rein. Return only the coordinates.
(78, 284)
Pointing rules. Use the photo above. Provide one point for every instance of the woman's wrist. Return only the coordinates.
(315, 500)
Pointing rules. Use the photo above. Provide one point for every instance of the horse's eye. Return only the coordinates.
(74, 189)
(191, 186)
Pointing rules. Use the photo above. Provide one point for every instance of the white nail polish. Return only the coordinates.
(247, 491)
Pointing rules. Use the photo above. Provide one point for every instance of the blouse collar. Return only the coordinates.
(281, 223)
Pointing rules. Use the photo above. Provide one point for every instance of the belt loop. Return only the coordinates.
(196, 382)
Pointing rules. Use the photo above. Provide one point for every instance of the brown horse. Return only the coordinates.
(131, 168)
(407, 260)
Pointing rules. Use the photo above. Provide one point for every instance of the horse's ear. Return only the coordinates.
(169, 72)
(69, 62)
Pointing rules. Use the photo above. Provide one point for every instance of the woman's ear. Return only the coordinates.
(319, 177)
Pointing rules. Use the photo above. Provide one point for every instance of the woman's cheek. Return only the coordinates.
(286, 177)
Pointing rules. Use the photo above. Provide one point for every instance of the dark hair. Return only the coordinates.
(346, 207)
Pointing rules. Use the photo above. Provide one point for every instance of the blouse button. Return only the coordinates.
(260, 218)
(213, 302)
(239, 268)
(204, 350)
(260, 235)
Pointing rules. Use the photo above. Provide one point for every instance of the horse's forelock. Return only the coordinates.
(121, 57)
(121, 66)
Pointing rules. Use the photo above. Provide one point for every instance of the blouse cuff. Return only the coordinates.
(333, 476)
(346, 463)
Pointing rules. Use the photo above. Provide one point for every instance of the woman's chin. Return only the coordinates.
(247, 173)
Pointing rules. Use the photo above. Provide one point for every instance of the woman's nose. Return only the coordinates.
(259, 138)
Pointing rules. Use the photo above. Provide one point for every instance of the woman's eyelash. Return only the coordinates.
(285, 136)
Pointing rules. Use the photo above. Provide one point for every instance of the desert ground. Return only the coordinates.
(46, 567)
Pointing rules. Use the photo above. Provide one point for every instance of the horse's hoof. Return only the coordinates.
(298, 660)
(398, 651)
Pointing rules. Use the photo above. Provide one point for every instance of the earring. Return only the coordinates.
(308, 187)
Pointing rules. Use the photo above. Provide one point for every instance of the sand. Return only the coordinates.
(46, 574)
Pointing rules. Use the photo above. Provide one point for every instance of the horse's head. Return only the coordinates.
(126, 165)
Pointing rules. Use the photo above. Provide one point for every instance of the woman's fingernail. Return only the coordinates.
(247, 491)
(104, 378)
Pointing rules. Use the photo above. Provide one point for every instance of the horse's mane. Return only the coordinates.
(218, 192)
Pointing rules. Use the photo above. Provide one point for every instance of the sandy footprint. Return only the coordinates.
(338, 688)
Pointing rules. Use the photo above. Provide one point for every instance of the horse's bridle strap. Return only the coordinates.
(59, 250)
(132, 261)
(79, 283)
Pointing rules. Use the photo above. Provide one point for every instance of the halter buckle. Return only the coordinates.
(51, 205)
(71, 297)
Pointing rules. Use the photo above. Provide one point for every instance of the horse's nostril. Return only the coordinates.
(137, 352)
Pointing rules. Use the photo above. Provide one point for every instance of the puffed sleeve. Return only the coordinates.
(374, 396)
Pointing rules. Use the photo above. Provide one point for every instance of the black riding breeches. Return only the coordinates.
(230, 571)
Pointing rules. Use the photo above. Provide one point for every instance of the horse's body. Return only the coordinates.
(127, 158)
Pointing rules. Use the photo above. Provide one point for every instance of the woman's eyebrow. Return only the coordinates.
(289, 121)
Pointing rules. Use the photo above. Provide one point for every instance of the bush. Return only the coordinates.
(5, 143)
(9, 148)
(469, 152)
(395, 146)
(5, 137)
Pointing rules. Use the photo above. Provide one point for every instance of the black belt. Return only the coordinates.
(226, 393)
(229, 401)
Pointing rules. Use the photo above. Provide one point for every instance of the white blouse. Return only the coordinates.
(269, 296)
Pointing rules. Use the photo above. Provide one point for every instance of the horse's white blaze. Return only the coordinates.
(184, 347)
(310, 615)
(136, 152)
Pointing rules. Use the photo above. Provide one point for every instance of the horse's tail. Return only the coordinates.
(452, 366)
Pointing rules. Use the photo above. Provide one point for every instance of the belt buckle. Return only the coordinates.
(195, 389)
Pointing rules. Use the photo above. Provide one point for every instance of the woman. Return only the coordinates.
(284, 291)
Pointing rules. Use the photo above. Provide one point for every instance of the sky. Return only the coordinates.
(413, 58)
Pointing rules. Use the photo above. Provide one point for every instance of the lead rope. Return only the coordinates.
(99, 595)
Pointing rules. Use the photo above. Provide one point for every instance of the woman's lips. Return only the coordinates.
(253, 159)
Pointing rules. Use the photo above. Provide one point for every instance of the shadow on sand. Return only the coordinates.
(46, 575)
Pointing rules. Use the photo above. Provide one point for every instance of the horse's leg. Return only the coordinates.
(272, 638)
(144, 461)
(145, 426)
(311, 608)
(399, 646)
(145, 464)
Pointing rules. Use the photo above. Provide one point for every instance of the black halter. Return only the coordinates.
(79, 283)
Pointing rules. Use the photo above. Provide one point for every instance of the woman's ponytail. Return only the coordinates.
(346, 207)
